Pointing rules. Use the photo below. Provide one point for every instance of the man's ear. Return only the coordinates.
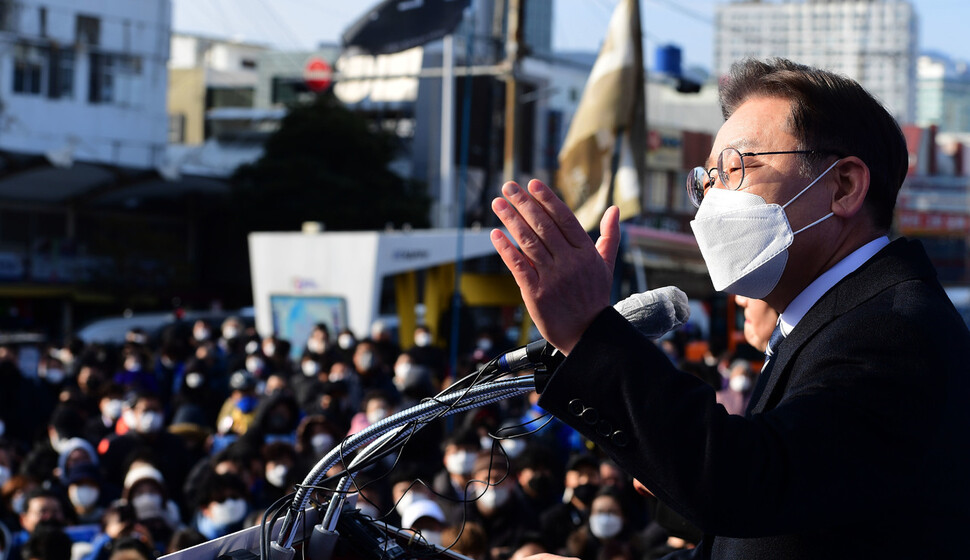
(852, 185)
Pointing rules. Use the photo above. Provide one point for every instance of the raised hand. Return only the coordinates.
(564, 277)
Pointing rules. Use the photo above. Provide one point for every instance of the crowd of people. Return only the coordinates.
(131, 452)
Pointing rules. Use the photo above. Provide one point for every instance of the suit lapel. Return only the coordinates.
(899, 261)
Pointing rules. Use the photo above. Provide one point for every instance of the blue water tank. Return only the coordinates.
(668, 60)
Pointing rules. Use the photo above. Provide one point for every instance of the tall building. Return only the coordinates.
(871, 41)
(943, 93)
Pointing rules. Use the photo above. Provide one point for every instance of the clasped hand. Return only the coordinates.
(565, 278)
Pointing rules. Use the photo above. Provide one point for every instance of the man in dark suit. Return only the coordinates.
(855, 443)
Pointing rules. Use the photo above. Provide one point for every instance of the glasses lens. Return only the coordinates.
(730, 168)
(697, 181)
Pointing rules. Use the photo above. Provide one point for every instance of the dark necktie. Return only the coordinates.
(776, 337)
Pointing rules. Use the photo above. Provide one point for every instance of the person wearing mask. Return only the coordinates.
(498, 503)
(276, 353)
(347, 343)
(581, 484)
(65, 423)
(461, 448)
(134, 374)
(144, 415)
(279, 460)
(424, 517)
(315, 437)
(111, 401)
(372, 371)
(796, 202)
(223, 506)
(84, 492)
(425, 353)
(741, 379)
(320, 347)
(536, 469)
(606, 534)
(239, 410)
(74, 452)
(146, 491)
(277, 418)
(375, 407)
(41, 508)
(385, 342)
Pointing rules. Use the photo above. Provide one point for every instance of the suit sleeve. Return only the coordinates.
(807, 462)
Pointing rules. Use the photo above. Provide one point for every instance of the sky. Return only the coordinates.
(578, 24)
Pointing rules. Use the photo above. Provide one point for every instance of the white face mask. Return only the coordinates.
(83, 496)
(345, 341)
(227, 512)
(745, 240)
(316, 346)
(147, 506)
(605, 525)
(112, 408)
(460, 462)
(513, 446)
(321, 443)
(739, 383)
(494, 498)
(366, 360)
(194, 380)
(422, 339)
(254, 365)
(150, 422)
(310, 368)
(375, 415)
(405, 375)
(277, 475)
(54, 375)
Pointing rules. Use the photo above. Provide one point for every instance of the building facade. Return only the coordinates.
(943, 93)
(85, 79)
(872, 41)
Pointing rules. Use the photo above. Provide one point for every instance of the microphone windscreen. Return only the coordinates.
(655, 312)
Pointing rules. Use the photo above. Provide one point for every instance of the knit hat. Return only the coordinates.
(142, 472)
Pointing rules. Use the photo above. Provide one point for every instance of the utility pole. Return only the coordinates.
(513, 43)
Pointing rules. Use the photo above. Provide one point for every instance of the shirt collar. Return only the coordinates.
(811, 294)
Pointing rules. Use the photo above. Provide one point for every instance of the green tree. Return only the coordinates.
(327, 164)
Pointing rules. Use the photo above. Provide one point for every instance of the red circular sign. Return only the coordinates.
(318, 74)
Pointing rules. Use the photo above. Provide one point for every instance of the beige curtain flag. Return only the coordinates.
(611, 112)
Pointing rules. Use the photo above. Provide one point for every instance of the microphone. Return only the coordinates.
(653, 313)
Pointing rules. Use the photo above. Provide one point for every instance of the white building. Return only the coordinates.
(85, 80)
(943, 93)
(871, 41)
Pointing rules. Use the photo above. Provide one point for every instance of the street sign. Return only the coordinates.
(318, 74)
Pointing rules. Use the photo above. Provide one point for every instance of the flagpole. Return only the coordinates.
(513, 43)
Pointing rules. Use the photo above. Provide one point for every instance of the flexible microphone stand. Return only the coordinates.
(381, 438)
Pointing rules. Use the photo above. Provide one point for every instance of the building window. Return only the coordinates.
(87, 30)
(62, 74)
(102, 82)
(176, 128)
(111, 78)
(28, 69)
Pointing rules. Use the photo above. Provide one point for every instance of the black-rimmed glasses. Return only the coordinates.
(730, 169)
